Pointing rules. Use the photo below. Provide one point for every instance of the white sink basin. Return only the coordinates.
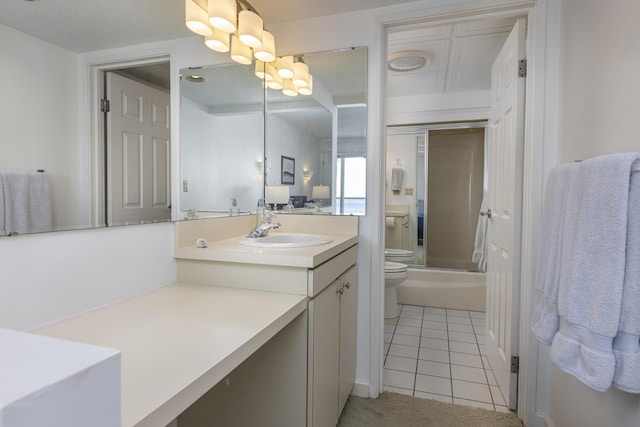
(285, 240)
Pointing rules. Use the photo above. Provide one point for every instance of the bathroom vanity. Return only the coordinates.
(326, 275)
(246, 336)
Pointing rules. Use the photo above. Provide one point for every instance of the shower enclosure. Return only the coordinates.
(443, 187)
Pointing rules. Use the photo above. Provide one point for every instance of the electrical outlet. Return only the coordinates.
(408, 191)
(185, 186)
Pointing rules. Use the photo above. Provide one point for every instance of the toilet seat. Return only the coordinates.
(394, 267)
(399, 255)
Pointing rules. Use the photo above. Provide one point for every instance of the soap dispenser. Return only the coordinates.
(260, 212)
(234, 210)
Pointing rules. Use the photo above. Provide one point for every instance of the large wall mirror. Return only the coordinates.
(42, 130)
(241, 142)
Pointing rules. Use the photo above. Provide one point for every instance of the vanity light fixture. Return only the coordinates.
(218, 41)
(308, 89)
(289, 88)
(300, 73)
(235, 25)
(284, 65)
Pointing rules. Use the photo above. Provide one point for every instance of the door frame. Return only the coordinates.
(91, 126)
(541, 126)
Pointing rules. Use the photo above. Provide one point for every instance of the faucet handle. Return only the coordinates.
(268, 216)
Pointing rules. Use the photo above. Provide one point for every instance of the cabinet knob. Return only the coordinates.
(340, 291)
(347, 285)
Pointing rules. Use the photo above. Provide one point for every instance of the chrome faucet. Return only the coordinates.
(268, 222)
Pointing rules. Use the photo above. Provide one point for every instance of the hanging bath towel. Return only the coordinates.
(546, 321)
(592, 268)
(626, 345)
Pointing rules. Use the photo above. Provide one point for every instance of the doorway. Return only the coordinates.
(406, 108)
(152, 70)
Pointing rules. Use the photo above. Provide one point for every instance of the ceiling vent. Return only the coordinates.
(408, 60)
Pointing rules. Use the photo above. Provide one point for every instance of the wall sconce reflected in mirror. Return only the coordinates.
(307, 175)
(259, 167)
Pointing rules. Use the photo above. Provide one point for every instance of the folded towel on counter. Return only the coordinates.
(27, 202)
(480, 244)
(546, 321)
(591, 273)
(626, 345)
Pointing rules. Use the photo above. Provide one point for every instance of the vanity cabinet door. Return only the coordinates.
(324, 348)
(348, 329)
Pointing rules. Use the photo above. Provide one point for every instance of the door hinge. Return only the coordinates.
(105, 105)
(515, 364)
(522, 68)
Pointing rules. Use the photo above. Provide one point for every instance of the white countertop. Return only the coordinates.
(179, 341)
(229, 250)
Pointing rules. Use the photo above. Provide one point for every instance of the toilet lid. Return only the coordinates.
(393, 267)
(392, 251)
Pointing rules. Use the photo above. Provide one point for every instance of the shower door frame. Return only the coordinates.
(423, 130)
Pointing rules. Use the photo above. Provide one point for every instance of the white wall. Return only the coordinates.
(599, 109)
(47, 277)
(285, 139)
(220, 149)
(40, 79)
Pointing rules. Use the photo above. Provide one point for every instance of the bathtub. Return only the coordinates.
(458, 290)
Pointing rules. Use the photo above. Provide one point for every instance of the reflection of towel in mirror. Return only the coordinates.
(480, 247)
(27, 202)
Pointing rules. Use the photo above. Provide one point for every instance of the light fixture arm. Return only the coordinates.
(245, 5)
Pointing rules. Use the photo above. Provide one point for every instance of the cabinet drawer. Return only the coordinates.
(321, 276)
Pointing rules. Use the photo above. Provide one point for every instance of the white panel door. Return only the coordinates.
(138, 153)
(505, 147)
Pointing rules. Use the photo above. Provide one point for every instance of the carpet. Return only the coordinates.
(397, 410)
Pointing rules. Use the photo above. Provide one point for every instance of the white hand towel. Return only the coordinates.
(480, 244)
(592, 266)
(27, 202)
(546, 321)
(626, 345)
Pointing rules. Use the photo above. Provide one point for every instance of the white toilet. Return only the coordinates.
(394, 274)
(403, 256)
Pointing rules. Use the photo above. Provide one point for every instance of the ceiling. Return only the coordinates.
(89, 25)
(461, 53)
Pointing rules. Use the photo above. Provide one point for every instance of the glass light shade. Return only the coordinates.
(196, 19)
(278, 194)
(276, 83)
(320, 192)
(267, 52)
(288, 88)
(240, 52)
(284, 65)
(270, 72)
(218, 41)
(300, 74)
(250, 28)
(261, 71)
(222, 15)
(307, 90)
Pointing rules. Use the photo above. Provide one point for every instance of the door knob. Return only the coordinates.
(487, 213)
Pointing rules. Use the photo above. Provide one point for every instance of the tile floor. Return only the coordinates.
(437, 353)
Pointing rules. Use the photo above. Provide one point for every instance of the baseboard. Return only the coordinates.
(361, 390)
(544, 420)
